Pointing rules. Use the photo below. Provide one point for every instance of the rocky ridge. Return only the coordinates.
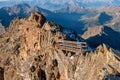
(28, 52)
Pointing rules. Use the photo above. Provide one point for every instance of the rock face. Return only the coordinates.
(93, 66)
(92, 31)
(27, 52)
(38, 18)
(2, 29)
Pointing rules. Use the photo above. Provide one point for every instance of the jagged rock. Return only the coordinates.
(22, 43)
(27, 52)
(2, 29)
(91, 66)
(38, 18)
(52, 26)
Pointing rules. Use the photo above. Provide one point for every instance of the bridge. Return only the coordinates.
(72, 46)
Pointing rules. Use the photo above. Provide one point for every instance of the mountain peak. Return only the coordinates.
(22, 5)
(38, 18)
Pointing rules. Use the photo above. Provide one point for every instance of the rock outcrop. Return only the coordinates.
(27, 52)
(38, 18)
(2, 29)
(92, 31)
(101, 64)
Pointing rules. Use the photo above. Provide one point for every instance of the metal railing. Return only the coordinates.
(72, 46)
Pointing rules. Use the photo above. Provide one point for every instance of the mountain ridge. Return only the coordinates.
(54, 5)
(102, 34)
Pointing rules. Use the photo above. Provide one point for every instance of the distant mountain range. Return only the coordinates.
(24, 10)
(21, 10)
(58, 4)
(74, 17)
